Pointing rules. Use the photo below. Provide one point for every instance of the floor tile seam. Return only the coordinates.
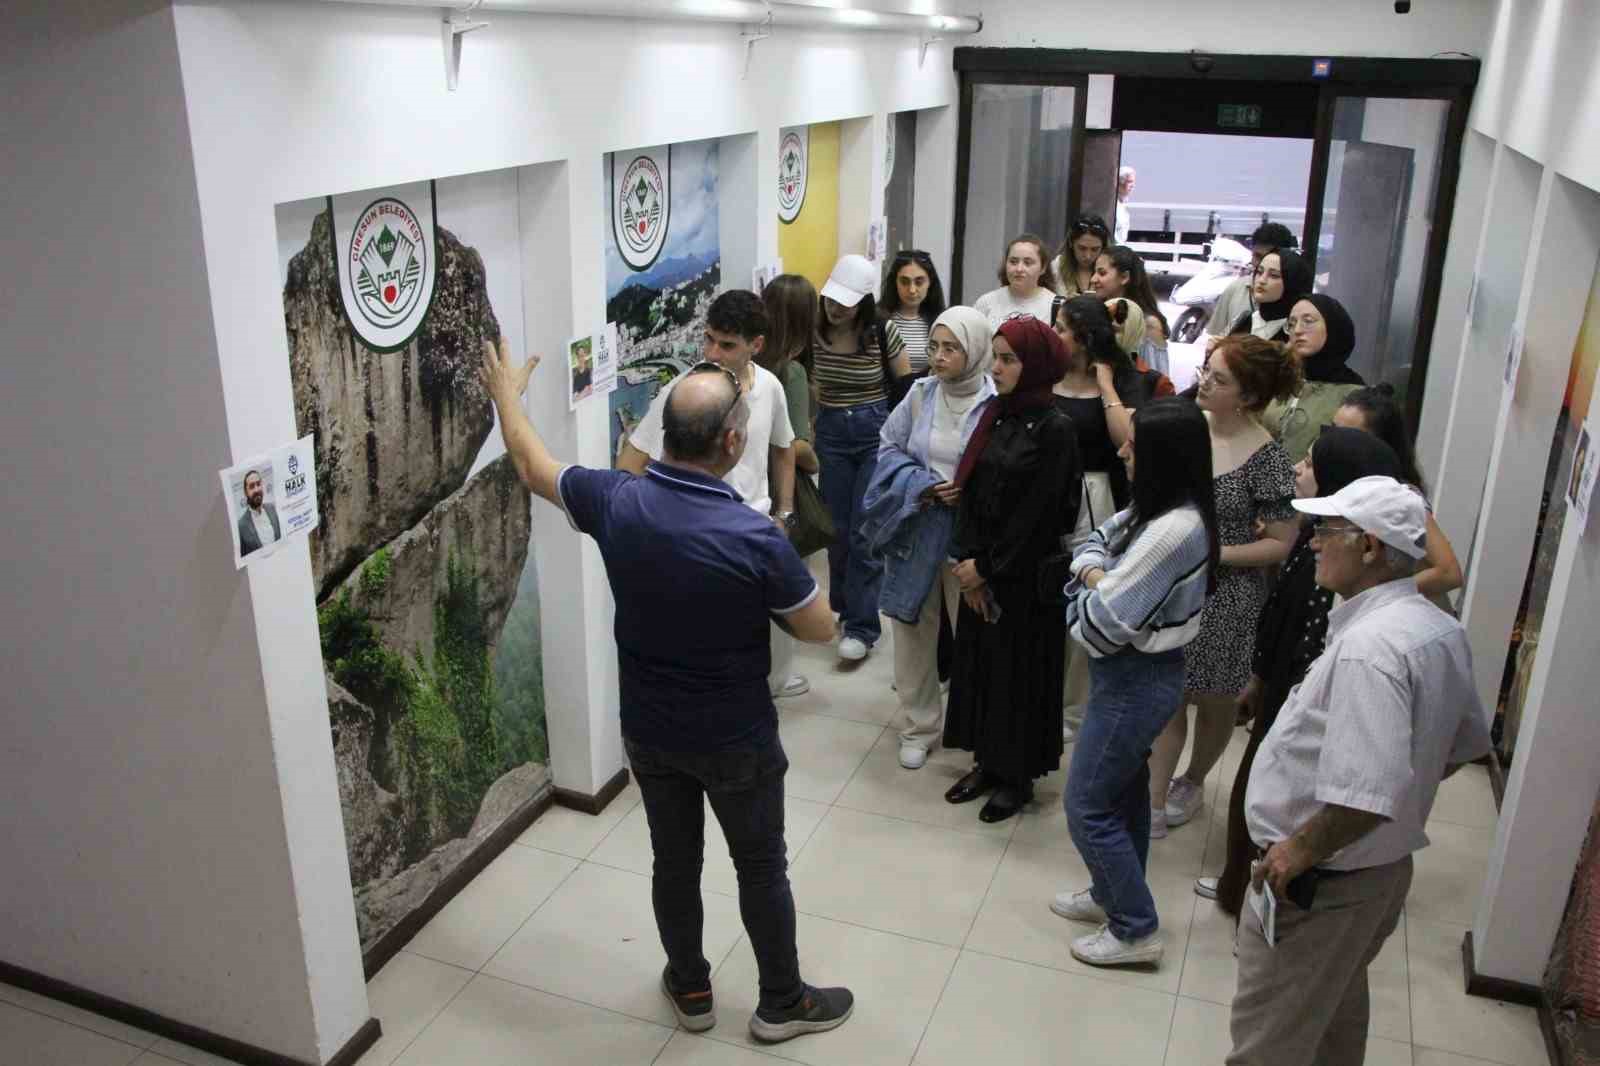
(668, 1029)
(879, 723)
(980, 834)
(988, 890)
(1093, 975)
(154, 1038)
(1443, 820)
(938, 1002)
(1418, 1046)
(547, 851)
(529, 916)
(471, 974)
(856, 770)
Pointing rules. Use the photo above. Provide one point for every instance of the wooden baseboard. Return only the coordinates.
(1496, 987)
(582, 801)
(182, 1032)
(399, 935)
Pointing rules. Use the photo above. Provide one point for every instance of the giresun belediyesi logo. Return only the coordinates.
(388, 259)
(642, 209)
(791, 176)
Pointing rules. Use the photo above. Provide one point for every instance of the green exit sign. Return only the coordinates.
(1239, 116)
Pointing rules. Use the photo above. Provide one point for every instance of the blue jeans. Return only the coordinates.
(1131, 696)
(847, 450)
(745, 787)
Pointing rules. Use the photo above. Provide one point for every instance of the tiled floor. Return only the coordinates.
(939, 923)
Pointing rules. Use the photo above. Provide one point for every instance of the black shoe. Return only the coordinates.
(970, 787)
(818, 1010)
(692, 1008)
(1005, 802)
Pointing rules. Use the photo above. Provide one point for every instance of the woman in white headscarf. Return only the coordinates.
(911, 507)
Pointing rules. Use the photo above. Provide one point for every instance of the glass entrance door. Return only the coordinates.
(1015, 172)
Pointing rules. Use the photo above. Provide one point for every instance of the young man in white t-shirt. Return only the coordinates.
(736, 332)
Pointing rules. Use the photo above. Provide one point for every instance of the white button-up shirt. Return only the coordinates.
(1380, 714)
(263, 523)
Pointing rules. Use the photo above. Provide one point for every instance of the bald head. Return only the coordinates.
(697, 416)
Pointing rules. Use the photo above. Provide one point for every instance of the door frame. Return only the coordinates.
(1080, 114)
(1453, 80)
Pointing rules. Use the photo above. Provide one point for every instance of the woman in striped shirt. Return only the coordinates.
(1139, 586)
(912, 298)
(851, 358)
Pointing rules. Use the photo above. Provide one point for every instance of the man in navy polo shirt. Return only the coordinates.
(696, 575)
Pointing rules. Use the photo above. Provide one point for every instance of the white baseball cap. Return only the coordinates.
(853, 277)
(1382, 506)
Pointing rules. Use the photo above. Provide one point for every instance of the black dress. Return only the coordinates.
(1005, 688)
(1095, 447)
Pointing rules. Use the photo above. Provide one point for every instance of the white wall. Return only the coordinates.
(1294, 27)
(296, 100)
(167, 826)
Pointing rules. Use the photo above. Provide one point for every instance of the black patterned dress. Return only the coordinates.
(1217, 662)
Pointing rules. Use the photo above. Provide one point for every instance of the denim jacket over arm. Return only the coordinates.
(912, 539)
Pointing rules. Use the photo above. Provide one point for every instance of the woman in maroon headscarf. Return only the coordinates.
(1020, 480)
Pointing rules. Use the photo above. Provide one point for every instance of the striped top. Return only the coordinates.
(1154, 588)
(914, 331)
(848, 380)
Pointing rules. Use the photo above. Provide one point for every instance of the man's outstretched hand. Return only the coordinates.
(503, 379)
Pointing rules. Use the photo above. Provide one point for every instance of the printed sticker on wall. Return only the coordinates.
(580, 370)
(641, 205)
(387, 258)
(1580, 485)
(792, 164)
(271, 497)
(888, 162)
(605, 360)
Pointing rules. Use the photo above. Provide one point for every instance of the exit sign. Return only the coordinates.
(1239, 116)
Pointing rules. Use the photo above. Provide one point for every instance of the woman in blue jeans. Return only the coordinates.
(851, 358)
(1139, 585)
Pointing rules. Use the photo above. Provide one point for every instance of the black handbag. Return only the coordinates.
(813, 525)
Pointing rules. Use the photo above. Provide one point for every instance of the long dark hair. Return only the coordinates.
(932, 304)
(865, 324)
(792, 307)
(1127, 261)
(1385, 420)
(1091, 326)
(1172, 467)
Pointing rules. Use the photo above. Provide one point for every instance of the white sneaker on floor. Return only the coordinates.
(795, 686)
(913, 757)
(1158, 825)
(1078, 907)
(853, 649)
(1102, 948)
(1068, 734)
(1184, 800)
(1206, 887)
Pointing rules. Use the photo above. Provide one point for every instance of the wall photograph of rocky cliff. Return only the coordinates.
(427, 594)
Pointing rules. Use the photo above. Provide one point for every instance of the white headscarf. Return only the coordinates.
(975, 334)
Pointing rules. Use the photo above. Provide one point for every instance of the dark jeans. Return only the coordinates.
(1131, 696)
(745, 787)
(847, 450)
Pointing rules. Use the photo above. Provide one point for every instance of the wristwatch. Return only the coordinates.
(787, 518)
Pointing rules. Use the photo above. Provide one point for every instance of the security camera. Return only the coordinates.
(1201, 64)
(1402, 7)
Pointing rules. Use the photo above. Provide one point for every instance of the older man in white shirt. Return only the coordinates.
(1340, 792)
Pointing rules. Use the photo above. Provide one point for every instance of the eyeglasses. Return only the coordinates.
(1322, 530)
(706, 367)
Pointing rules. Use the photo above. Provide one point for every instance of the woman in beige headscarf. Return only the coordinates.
(912, 505)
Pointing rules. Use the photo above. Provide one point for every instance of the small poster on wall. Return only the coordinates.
(762, 276)
(605, 360)
(271, 497)
(878, 240)
(1580, 486)
(388, 261)
(580, 370)
(793, 165)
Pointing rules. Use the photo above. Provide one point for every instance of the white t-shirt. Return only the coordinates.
(769, 428)
(999, 305)
(263, 524)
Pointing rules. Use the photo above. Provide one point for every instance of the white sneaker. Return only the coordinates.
(1206, 887)
(1158, 825)
(1068, 734)
(1078, 907)
(853, 648)
(913, 757)
(1102, 948)
(1184, 800)
(795, 686)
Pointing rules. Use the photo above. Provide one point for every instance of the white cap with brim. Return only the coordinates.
(853, 277)
(1392, 512)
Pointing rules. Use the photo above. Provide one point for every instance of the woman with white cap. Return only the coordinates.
(853, 360)
(911, 507)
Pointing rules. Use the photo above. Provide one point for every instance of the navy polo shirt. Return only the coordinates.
(695, 575)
